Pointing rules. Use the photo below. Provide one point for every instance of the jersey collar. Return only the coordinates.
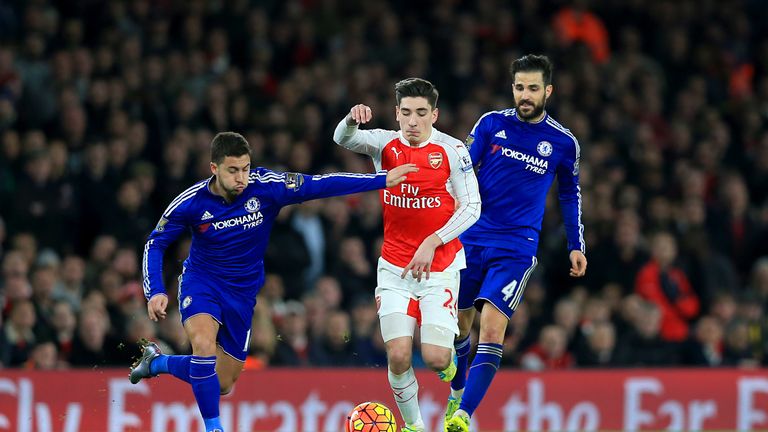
(546, 116)
(421, 144)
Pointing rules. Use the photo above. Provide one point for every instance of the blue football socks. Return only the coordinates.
(205, 385)
(462, 347)
(176, 365)
(481, 373)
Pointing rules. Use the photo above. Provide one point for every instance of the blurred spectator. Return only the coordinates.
(734, 228)
(307, 222)
(334, 348)
(93, 346)
(64, 323)
(355, 273)
(566, 316)
(328, 290)
(19, 334)
(752, 312)
(643, 345)
(620, 259)
(705, 348)
(710, 271)
(738, 350)
(759, 279)
(44, 357)
(43, 284)
(550, 352)
(171, 331)
(287, 254)
(364, 327)
(600, 349)
(263, 339)
(667, 286)
(292, 348)
(723, 307)
(71, 285)
(575, 24)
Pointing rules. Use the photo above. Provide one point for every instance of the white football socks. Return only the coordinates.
(406, 389)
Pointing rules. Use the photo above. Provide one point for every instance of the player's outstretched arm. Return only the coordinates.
(399, 174)
(359, 114)
(300, 187)
(369, 142)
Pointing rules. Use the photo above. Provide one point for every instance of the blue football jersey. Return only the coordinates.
(516, 164)
(229, 239)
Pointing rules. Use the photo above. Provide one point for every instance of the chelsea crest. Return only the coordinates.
(544, 148)
(252, 205)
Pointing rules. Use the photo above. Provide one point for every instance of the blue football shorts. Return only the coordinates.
(205, 294)
(496, 275)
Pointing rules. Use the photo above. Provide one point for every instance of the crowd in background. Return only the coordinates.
(107, 110)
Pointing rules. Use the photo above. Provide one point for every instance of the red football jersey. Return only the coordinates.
(441, 198)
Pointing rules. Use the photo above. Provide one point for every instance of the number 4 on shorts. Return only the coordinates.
(509, 290)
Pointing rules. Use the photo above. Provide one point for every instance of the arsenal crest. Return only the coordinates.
(435, 160)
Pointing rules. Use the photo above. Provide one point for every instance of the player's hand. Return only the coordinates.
(421, 263)
(578, 263)
(359, 114)
(156, 307)
(397, 175)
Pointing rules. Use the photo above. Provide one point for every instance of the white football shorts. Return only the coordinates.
(429, 302)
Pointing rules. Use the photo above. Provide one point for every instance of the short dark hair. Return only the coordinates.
(533, 63)
(416, 87)
(228, 144)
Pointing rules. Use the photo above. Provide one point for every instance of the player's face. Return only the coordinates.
(416, 117)
(232, 174)
(530, 94)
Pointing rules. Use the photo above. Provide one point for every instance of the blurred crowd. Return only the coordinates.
(107, 109)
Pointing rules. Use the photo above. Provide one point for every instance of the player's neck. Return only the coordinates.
(218, 191)
(421, 143)
(537, 119)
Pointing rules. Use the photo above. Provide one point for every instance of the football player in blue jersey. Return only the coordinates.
(517, 154)
(230, 216)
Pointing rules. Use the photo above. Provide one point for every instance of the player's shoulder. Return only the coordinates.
(383, 135)
(185, 199)
(261, 175)
(560, 131)
(445, 140)
(493, 117)
(267, 178)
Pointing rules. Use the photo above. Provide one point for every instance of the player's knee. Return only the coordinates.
(437, 360)
(399, 359)
(202, 346)
(226, 388)
(492, 334)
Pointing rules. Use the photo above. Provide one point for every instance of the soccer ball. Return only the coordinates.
(370, 417)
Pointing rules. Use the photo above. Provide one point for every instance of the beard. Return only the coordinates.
(535, 112)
